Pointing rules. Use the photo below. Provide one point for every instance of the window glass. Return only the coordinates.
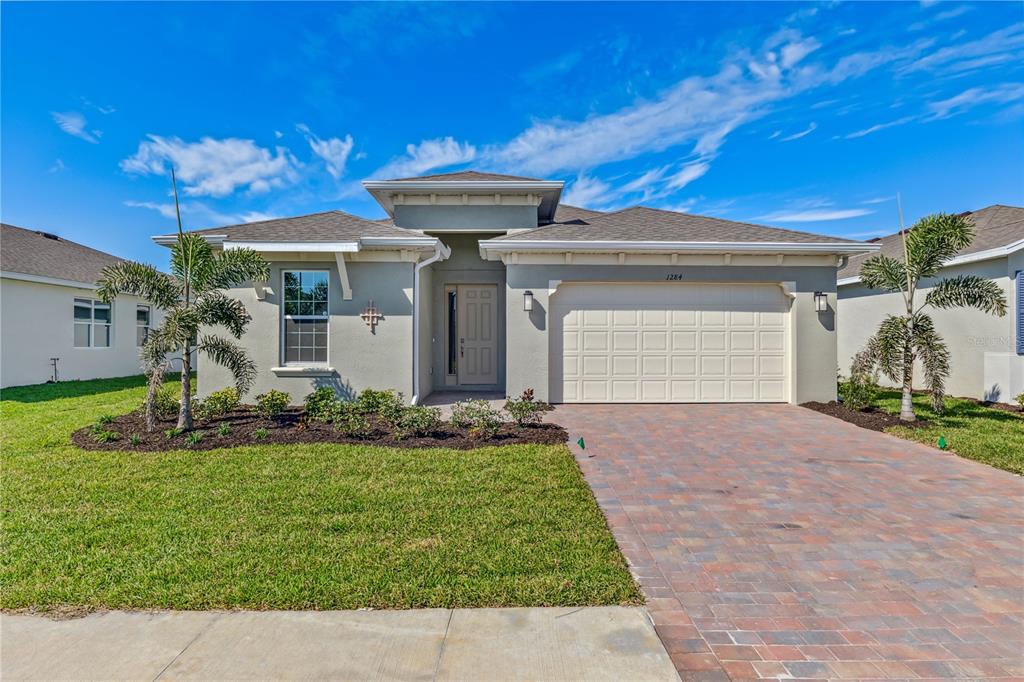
(142, 313)
(82, 335)
(305, 316)
(92, 323)
(453, 331)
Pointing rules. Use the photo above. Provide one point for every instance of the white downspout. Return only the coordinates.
(441, 252)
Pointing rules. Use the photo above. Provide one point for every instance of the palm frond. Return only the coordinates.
(232, 357)
(883, 272)
(180, 327)
(214, 308)
(935, 239)
(234, 267)
(191, 255)
(889, 344)
(137, 279)
(159, 344)
(968, 291)
(931, 350)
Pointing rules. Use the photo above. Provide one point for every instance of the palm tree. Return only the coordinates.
(903, 339)
(192, 299)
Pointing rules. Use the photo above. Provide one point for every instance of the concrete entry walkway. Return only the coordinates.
(775, 542)
(602, 643)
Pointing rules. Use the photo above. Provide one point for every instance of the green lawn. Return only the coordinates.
(287, 527)
(971, 430)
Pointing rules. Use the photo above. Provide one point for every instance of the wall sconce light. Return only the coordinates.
(528, 301)
(820, 302)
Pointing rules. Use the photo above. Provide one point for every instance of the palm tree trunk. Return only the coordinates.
(151, 391)
(185, 413)
(907, 403)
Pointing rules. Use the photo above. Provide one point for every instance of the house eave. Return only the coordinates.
(347, 246)
(549, 192)
(597, 246)
(42, 279)
(967, 258)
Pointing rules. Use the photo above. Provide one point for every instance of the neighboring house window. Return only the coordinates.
(1020, 312)
(305, 316)
(92, 323)
(142, 313)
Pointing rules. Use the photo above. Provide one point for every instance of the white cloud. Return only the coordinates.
(645, 182)
(1003, 42)
(972, 97)
(878, 200)
(775, 134)
(57, 166)
(212, 167)
(201, 212)
(688, 174)
(879, 126)
(74, 123)
(815, 215)
(587, 191)
(803, 133)
(425, 156)
(334, 151)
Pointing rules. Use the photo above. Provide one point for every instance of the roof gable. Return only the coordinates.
(41, 254)
(469, 176)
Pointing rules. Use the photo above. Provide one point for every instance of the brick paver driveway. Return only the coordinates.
(773, 541)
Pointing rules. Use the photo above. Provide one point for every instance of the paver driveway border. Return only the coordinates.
(772, 541)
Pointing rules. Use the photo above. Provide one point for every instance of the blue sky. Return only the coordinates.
(808, 116)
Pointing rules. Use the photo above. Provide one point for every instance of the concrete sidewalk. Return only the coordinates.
(602, 643)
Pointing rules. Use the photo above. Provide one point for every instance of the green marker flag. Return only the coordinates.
(942, 443)
(581, 443)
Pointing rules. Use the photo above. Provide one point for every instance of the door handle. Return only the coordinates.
(462, 348)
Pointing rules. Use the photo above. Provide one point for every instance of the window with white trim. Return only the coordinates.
(305, 316)
(142, 321)
(1020, 312)
(92, 323)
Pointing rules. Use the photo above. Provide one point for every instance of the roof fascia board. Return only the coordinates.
(506, 245)
(170, 239)
(292, 247)
(976, 257)
(459, 186)
(42, 279)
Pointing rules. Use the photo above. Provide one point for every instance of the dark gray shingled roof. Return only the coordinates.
(463, 176)
(329, 226)
(996, 226)
(573, 214)
(32, 252)
(641, 223)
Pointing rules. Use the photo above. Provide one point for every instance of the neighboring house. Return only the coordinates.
(52, 324)
(478, 281)
(987, 351)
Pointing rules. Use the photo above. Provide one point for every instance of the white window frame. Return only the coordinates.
(285, 317)
(149, 323)
(93, 304)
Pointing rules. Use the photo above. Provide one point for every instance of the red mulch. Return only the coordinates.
(869, 418)
(290, 428)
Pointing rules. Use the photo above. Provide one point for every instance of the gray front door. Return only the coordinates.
(478, 333)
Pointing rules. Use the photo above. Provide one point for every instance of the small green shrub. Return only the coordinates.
(104, 436)
(478, 417)
(524, 410)
(135, 439)
(349, 419)
(259, 434)
(194, 437)
(218, 403)
(861, 389)
(224, 430)
(272, 403)
(106, 419)
(172, 433)
(385, 404)
(321, 404)
(166, 404)
(1020, 400)
(416, 420)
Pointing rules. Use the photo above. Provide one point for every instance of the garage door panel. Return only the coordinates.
(671, 343)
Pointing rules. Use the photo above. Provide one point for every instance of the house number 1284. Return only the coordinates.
(674, 278)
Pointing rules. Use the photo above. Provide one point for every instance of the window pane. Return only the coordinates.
(83, 311)
(101, 335)
(306, 308)
(82, 335)
(142, 315)
(306, 355)
(101, 312)
(452, 333)
(291, 308)
(320, 355)
(320, 308)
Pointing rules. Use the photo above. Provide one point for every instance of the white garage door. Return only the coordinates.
(669, 342)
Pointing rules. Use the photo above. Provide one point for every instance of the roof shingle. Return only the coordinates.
(469, 175)
(33, 252)
(329, 226)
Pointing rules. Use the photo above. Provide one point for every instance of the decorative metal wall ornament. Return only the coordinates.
(371, 316)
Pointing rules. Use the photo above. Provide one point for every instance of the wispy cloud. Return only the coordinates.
(57, 166)
(880, 126)
(803, 133)
(74, 123)
(212, 167)
(878, 200)
(426, 156)
(687, 174)
(1008, 41)
(588, 191)
(334, 151)
(815, 215)
(200, 212)
(973, 97)
(102, 108)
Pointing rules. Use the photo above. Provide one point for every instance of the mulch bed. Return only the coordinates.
(869, 418)
(291, 427)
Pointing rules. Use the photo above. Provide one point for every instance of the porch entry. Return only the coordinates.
(472, 333)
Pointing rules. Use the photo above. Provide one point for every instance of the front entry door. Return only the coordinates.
(478, 333)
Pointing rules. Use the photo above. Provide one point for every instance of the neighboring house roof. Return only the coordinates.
(643, 224)
(997, 227)
(329, 226)
(573, 214)
(46, 256)
(469, 176)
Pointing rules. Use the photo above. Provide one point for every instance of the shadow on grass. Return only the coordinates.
(39, 393)
(959, 411)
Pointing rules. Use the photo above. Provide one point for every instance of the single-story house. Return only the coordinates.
(479, 281)
(987, 351)
(53, 327)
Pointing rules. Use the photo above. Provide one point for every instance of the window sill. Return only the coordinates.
(302, 371)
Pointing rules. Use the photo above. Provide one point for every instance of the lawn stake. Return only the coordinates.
(581, 443)
(942, 443)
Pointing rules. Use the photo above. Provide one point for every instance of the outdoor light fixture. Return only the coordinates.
(820, 302)
(528, 301)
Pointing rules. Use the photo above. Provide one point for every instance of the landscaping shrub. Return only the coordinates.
(1020, 400)
(104, 436)
(259, 434)
(272, 403)
(385, 404)
(477, 416)
(224, 430)
(321, 404)
(861, 390)
(417, 420)
(349, 419)
(194, 437)
(524, 410)
(218, 403)
(166, 404)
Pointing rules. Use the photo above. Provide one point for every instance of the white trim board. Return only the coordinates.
(977, 256)
(508, 245)
(41, 279)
